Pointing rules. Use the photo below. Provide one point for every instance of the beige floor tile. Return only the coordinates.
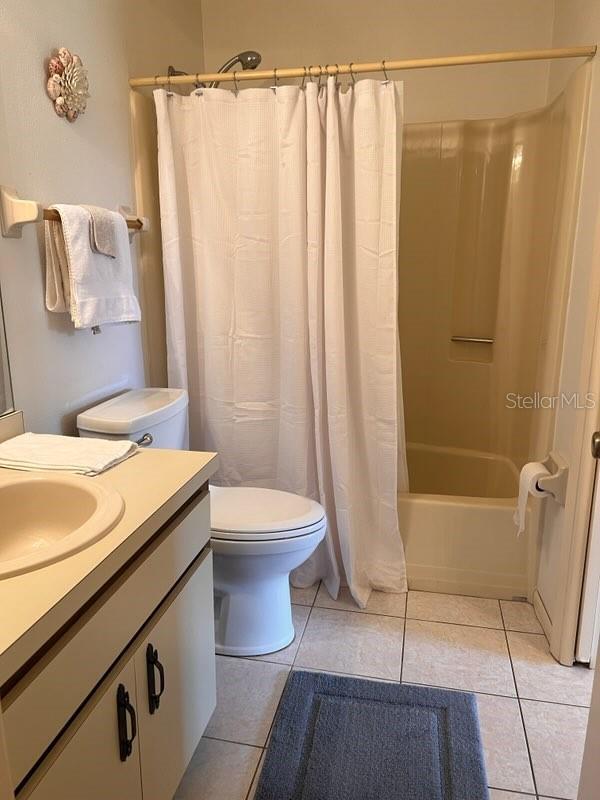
(357, 644)
(248, 693)
(556, 736)
(287, 655)
(454, 608)
(520, 616)
(219, 769)
(385, 603)
(347, 675)
(500, 794)
(457, 656)
(540, 677)
(304, 597)
(506, 756)
(254, 786)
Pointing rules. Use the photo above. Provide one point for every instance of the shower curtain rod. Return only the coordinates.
(316, 70)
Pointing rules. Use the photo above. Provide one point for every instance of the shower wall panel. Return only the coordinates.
(487, 210)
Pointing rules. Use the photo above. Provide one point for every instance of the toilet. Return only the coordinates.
(258, 536)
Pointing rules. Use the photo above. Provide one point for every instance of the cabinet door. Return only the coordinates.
(175, 675)
(89, 765)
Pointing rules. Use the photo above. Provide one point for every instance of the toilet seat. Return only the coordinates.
(249, 514)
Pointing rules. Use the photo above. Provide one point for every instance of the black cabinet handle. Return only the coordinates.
(124, 710)
(153, 664)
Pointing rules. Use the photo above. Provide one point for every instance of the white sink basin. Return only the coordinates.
(45, 517)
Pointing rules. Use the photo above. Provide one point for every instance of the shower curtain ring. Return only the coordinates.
(303, 78)
(235, 83)
(276, 84)
(352, 72)
(387, 80)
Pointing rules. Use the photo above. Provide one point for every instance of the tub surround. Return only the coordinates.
(486, 227)
(461, 473)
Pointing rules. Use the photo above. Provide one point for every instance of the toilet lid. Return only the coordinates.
(247, 512)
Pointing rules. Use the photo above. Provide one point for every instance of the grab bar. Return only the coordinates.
(477, 339)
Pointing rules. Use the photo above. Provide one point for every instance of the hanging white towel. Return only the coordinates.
(94, 289)
(32, 452)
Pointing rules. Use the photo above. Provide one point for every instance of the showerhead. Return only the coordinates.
(249, 59)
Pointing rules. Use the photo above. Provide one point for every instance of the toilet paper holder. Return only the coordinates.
(555, 483)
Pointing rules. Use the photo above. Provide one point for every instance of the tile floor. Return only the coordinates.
(533, 711)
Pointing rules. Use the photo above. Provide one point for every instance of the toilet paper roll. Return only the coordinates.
(528, 485)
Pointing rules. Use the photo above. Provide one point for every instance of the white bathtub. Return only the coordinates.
(456, 523)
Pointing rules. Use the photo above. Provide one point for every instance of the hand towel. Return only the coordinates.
(95, 290)
(104, 225)
(33, 452)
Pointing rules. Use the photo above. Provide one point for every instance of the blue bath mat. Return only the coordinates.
(338, 738)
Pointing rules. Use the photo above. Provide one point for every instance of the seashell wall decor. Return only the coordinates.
(67, 84)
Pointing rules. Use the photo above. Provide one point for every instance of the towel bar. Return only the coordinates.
(133, 223)
(14, 213)
(477, 339)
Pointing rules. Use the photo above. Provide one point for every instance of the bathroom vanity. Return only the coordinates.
(107, 666)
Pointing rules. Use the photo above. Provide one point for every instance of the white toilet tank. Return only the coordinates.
(151, 417)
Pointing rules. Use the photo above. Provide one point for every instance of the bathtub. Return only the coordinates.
(457, 523)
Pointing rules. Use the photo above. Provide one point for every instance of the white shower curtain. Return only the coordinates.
(279, 213)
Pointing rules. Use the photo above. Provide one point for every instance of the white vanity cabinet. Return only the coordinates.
(117, 705)
(118, 747)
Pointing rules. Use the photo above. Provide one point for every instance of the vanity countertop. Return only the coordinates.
(154, 484)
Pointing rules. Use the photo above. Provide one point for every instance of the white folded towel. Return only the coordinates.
(32, 452)
(95, 290)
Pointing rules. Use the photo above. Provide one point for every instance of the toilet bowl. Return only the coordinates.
(258, 536)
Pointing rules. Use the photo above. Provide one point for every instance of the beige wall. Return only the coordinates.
(163, 32)
(55, 369)
(166, 33)
(575, 22)
(313, 32)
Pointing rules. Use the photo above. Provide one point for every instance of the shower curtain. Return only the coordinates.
(279, 215)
